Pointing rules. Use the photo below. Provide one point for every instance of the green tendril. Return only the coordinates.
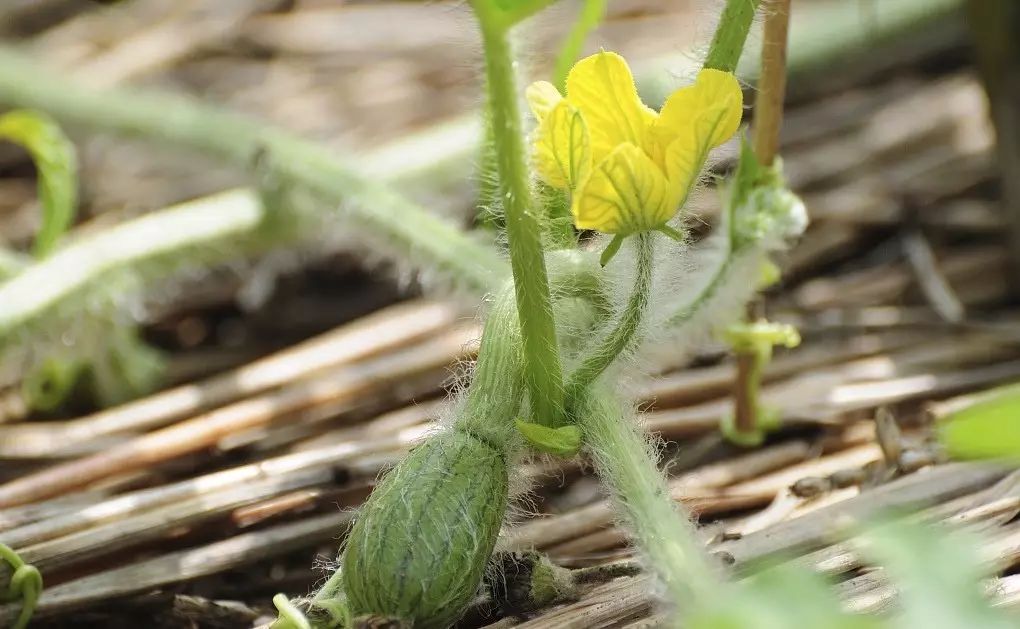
(288, 614)
(56, 170)
(26, 584)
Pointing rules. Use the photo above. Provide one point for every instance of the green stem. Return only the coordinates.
(26, 583)
(603, 355)
(720, 277)
(768, 120)
(236, 139)
(592, 13)
(524, 230)
(728, 42)
(520, 11)
(660, 526)
(181, 236)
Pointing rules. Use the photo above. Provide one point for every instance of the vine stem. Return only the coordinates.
(729, 38)
(592, 12)
(620, 451)
(661, 527)
(600, 358)
(519, 11)
(768, 120)
(229, 216)
(236, 139)
(543, 372)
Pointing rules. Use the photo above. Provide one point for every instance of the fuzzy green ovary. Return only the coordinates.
(422, 542)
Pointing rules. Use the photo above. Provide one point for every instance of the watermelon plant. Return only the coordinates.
(576, 315)
(597, 276)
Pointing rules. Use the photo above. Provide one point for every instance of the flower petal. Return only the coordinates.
(625, 193)
(686, 154)
(542, 96)
(692, 105)
(562, 147)
(602, 87)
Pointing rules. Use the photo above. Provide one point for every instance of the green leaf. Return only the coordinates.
(56, 165)
(564, 441)
(778, 598)
(937, 575)
(987, 429)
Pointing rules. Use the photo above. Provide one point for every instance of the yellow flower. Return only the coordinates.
(628, 168)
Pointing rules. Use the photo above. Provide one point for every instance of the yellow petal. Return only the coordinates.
(625, 193)
(602, 87)
(686, 154)
(542, 96)
(562, 147)
(698, 105)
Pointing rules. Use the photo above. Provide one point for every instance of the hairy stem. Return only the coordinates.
(730, 35)
(236, 139)
(660, 526)
(524, 230)
(618, 340)
(162, 237)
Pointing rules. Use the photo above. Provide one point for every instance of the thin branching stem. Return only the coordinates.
(661, 528)
(768, 120)
(237, 139)
(729, 38)
(592, 13)
(624, 331)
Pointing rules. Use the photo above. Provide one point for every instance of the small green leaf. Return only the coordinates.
(611, 249)
(564, 441)
(987, 429)
(56, 165)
